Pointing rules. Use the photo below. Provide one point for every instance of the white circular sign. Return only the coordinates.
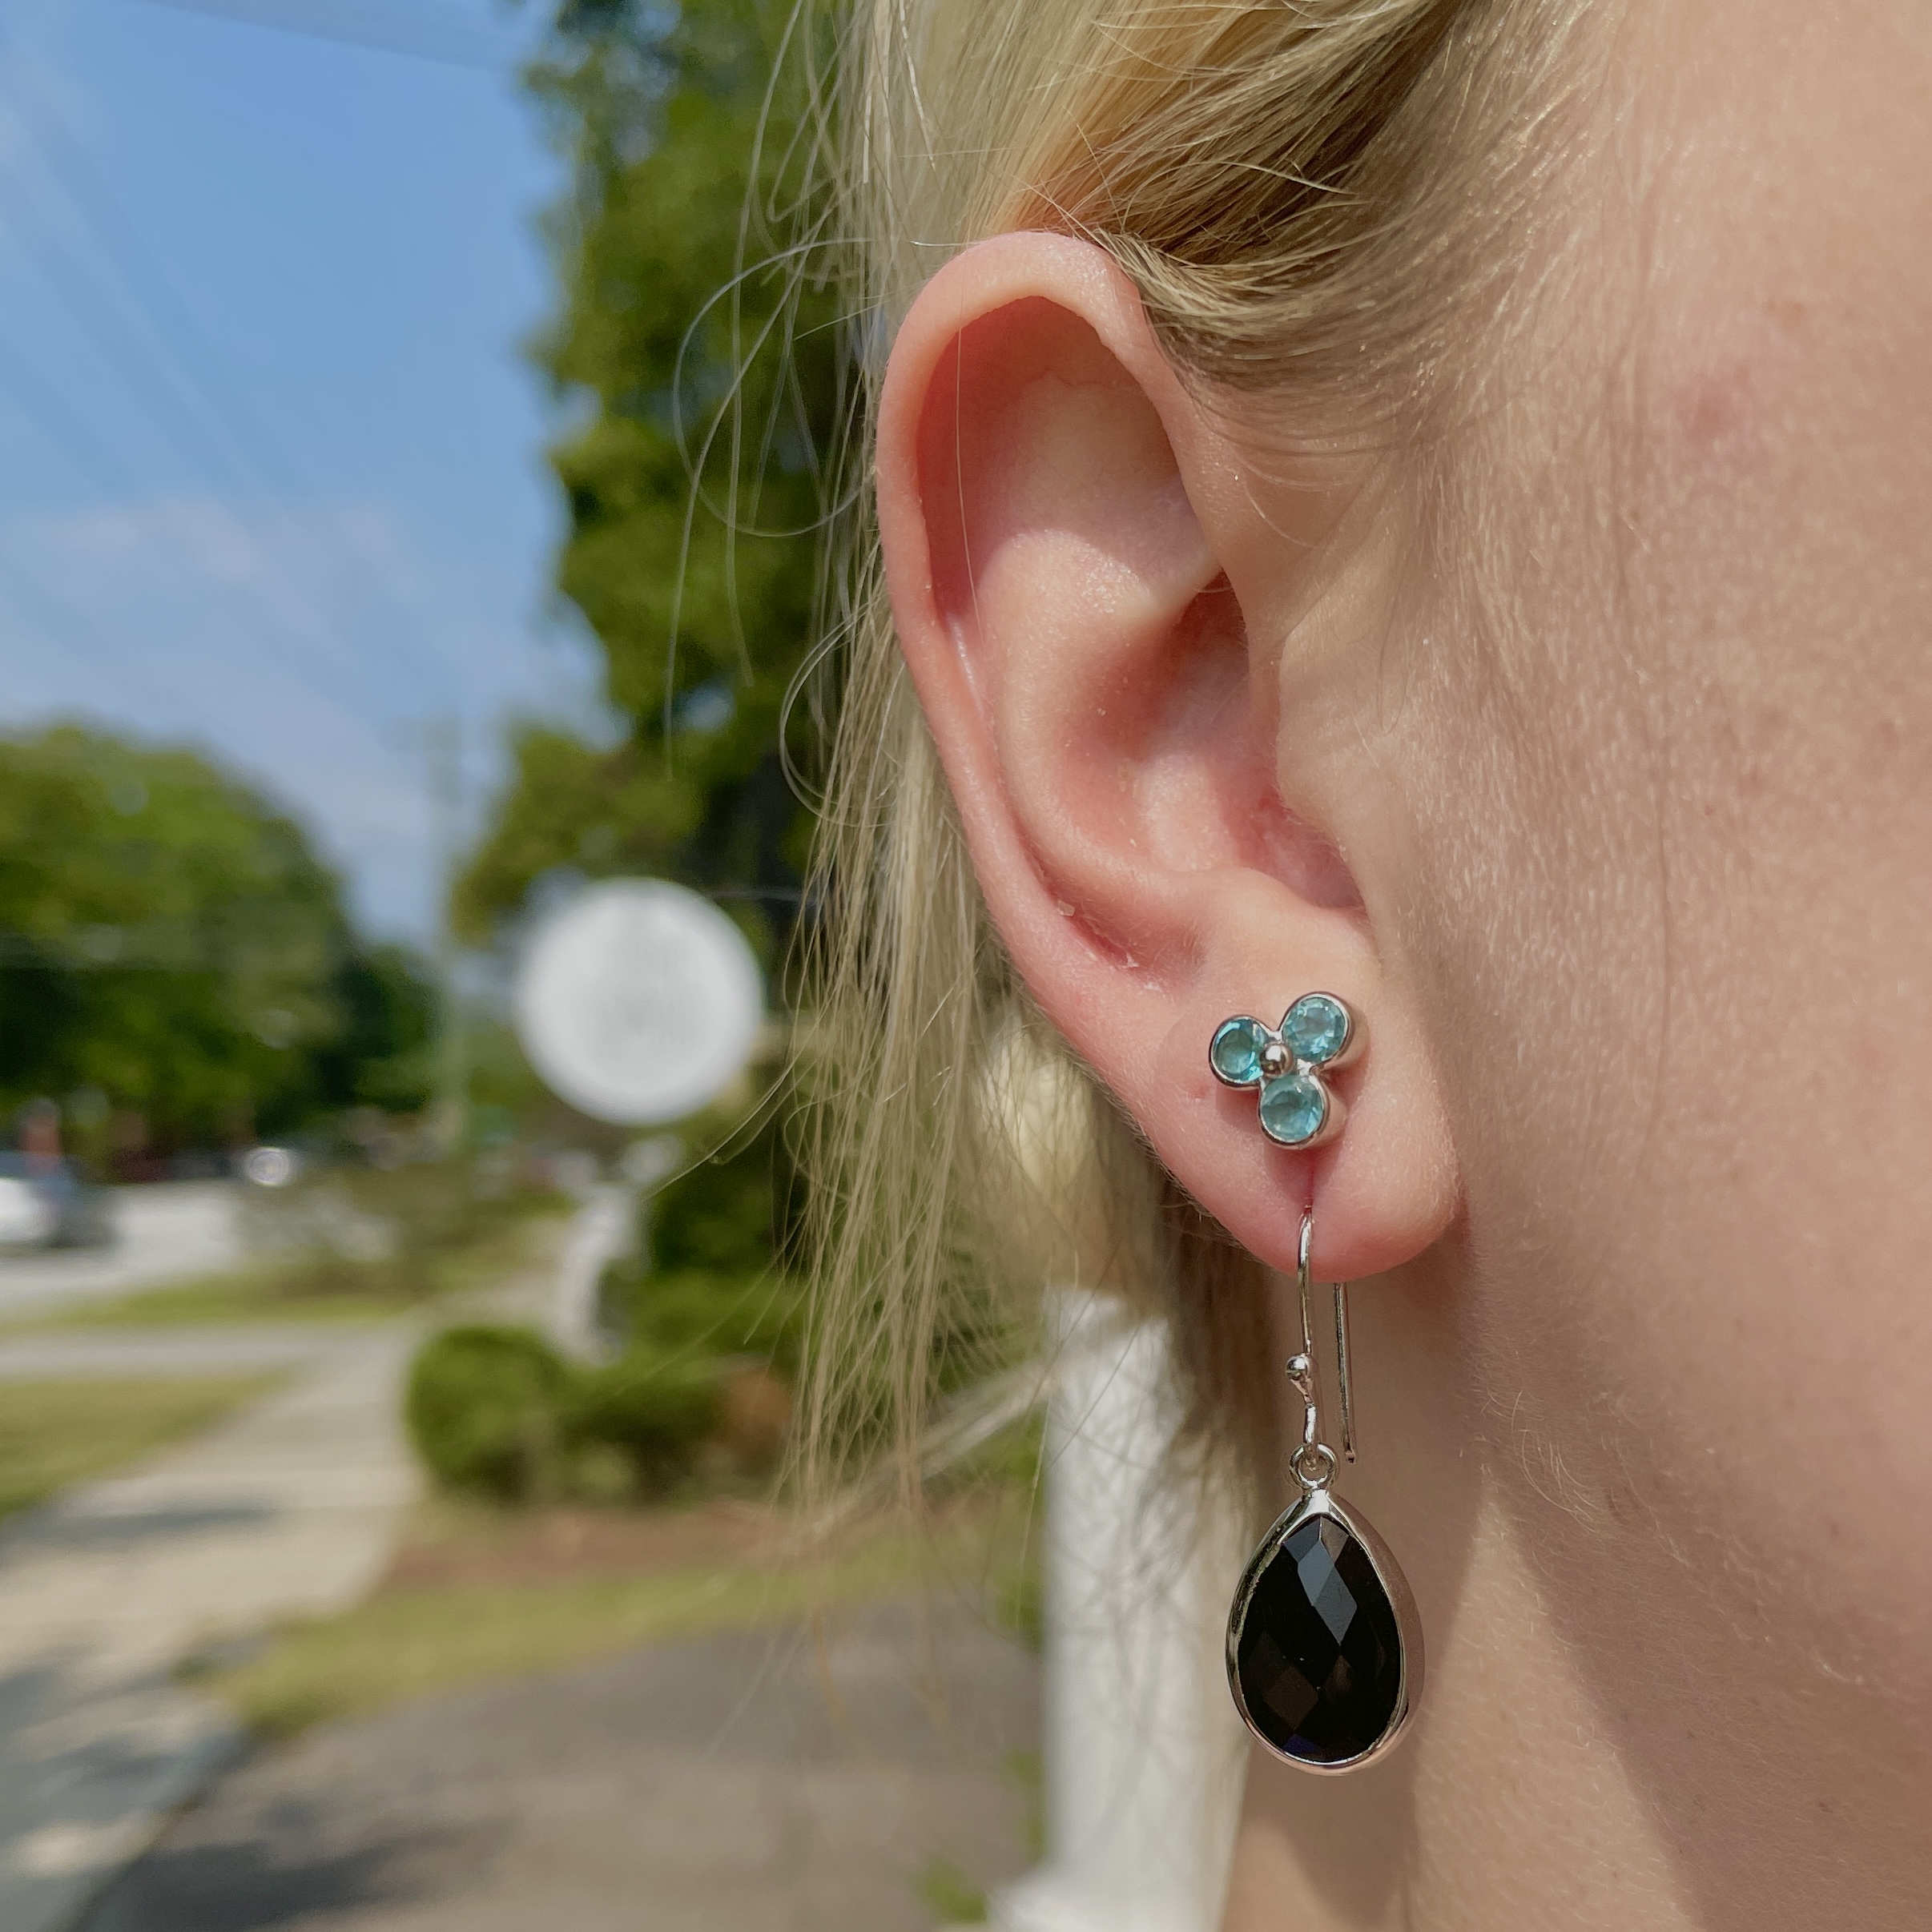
(638, 1001)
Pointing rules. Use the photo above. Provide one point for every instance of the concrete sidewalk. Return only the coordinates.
(750, 1782)
(290, 1509)
(144, 1354)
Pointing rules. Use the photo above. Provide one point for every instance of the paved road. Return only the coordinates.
(741, 1783)
(166, 1233)
(289, 1509)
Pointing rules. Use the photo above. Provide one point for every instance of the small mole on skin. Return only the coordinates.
(1712, 406)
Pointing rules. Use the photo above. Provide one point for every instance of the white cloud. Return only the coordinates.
(306, 646)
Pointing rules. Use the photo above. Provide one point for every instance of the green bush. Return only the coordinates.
(497, 1412)
(485, 1411)
(655, 1407)
(695, 1310)
(735, 1212)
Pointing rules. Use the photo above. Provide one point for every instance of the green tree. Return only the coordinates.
(703, 378)
(169, 941)
(382, 1055)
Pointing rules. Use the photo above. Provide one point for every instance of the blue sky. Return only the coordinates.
(271, 473)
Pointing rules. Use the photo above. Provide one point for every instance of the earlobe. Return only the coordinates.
(1073, 597)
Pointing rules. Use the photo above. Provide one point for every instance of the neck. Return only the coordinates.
(1608, 1738)
(1504, 1809)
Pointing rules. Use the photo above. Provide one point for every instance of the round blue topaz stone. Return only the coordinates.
(1293, 1108)
(1235, 1053)
(1316, 1028)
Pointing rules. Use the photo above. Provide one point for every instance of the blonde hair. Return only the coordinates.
(1315, 198)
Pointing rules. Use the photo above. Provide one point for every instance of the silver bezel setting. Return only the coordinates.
(1320, 1501)
(1334, 1110)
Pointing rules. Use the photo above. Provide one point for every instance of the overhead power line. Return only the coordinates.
(122, 241)
(51, 614)
(250, 446)
(173, 374)
(124, 301)
(145, 378)
(387, 28)
(149, 383)
(49, 413)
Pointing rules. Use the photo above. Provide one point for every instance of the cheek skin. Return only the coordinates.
(1675, 816)
(1746, 779)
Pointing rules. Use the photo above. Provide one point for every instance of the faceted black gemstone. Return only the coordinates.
(1319, 1651)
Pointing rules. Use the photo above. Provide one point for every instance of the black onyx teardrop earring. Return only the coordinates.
(1325, 1650)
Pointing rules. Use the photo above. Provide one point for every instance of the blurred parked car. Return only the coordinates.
(46, 1205)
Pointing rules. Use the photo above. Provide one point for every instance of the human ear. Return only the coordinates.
(1076, 566)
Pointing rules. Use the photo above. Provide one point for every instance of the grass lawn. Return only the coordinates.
(472, 1602)
(258, 1295)
(52, 1434)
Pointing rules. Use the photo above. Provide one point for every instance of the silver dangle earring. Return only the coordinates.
(1325, 1649)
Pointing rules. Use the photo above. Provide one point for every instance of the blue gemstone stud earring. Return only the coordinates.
(1318, 1034)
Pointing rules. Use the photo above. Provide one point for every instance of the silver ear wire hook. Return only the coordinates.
(1313, 1462)
(1302, 1248)
(1301, 1366)
(1302, 1375)
(1348, 1403)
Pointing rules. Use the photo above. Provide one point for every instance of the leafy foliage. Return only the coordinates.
(716, 1245)
(732, 1212)
(651, 1406)
(704, 377)
(169, 943)
(389, 1236)
(484, 1407)
(495, 1411)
